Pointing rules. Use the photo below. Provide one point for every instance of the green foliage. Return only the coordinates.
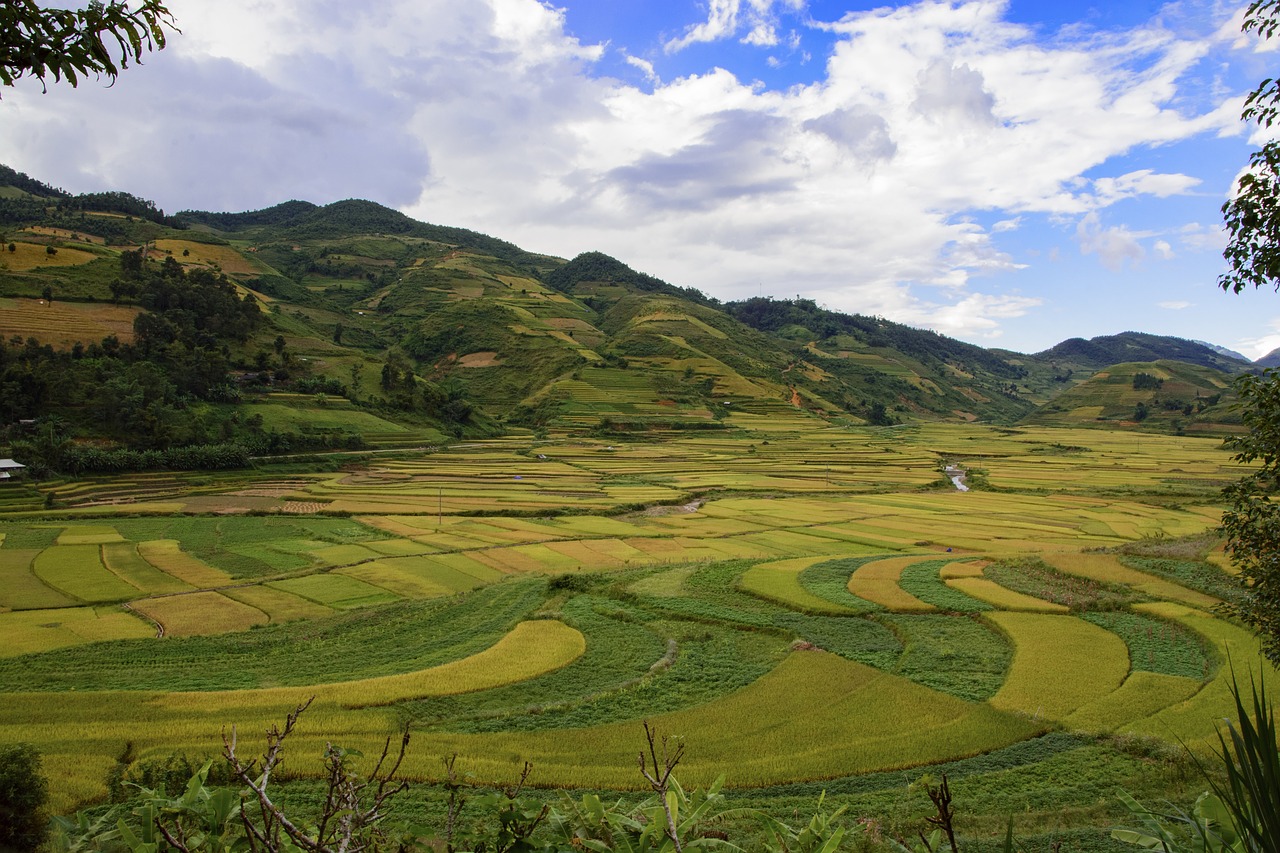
(1032, 576)
(963, 657)
(1156, 645)
(1240, 815)
(922, 580)
(1252, 521)
(67, 44)
(24, 794)
(1194, 574)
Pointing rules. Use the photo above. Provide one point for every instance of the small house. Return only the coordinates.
(8, 468)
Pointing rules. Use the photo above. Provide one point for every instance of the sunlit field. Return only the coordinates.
(806, 605)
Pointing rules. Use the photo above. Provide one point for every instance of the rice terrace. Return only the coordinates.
(809, 606)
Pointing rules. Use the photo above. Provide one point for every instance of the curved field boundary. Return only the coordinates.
(779, 581)
(967, 569)
(1002, 597)
(1060, 663)
(1108, 569)
(20, 589)
(29, 631)
(877, 582)
(123, 560)
(1195, 720)
(167, 556)
(280, 606)
(1141, 695)
(529, 650)
(77, 570)
(815, 716)
(200, 614)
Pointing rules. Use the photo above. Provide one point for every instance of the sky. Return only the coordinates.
(1008, 172)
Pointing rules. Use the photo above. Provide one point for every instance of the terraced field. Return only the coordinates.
(805, 605)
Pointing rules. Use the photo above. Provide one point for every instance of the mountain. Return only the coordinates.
(1102, 351)
(1221, 350)
(357, 324)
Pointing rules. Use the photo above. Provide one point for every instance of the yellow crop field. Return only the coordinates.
(203, 254)
(1108, 569)
(20, 589)
(780, 581)
(1141, 695)
(280, 606)
(1060, 663)
(124, 561)
(34, 256)
(28, 631)
(969, 569)
(1003, 598)
(167, 556)
(62, 324)
(77, 570)
(877, 582)
(816, 715)
(200, 613)
(89, 534)
(1196, 719)
(530, 649)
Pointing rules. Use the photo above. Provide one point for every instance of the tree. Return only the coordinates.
(24, 793)
(67, 44)
(1252, 522)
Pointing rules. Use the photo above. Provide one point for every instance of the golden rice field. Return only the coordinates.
(760, 592)
(62, 324)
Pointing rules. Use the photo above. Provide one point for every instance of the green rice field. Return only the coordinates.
(807, 606)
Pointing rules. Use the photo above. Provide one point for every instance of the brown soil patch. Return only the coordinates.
(302, 507)
(480, 359)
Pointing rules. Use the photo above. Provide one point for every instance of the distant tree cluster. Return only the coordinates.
(1147, 382)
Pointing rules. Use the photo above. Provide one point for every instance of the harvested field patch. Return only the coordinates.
(62, 324)
(200, 614)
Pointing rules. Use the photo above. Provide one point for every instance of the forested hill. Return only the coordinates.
(305, 221)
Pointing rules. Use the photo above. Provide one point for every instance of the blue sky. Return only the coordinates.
(1011, 173)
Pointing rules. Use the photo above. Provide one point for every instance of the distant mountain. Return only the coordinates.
(1271, 359)
(1102, 351)
(1221, 350)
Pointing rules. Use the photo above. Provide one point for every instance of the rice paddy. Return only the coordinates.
(798, 602)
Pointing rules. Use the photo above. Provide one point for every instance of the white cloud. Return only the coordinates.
(486, 114)
(645, 66)
(1163, 250)
(1115, 246)
(727, 18)
(1175, 305)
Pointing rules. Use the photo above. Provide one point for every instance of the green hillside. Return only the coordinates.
(1166, 395)
(421, 331)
